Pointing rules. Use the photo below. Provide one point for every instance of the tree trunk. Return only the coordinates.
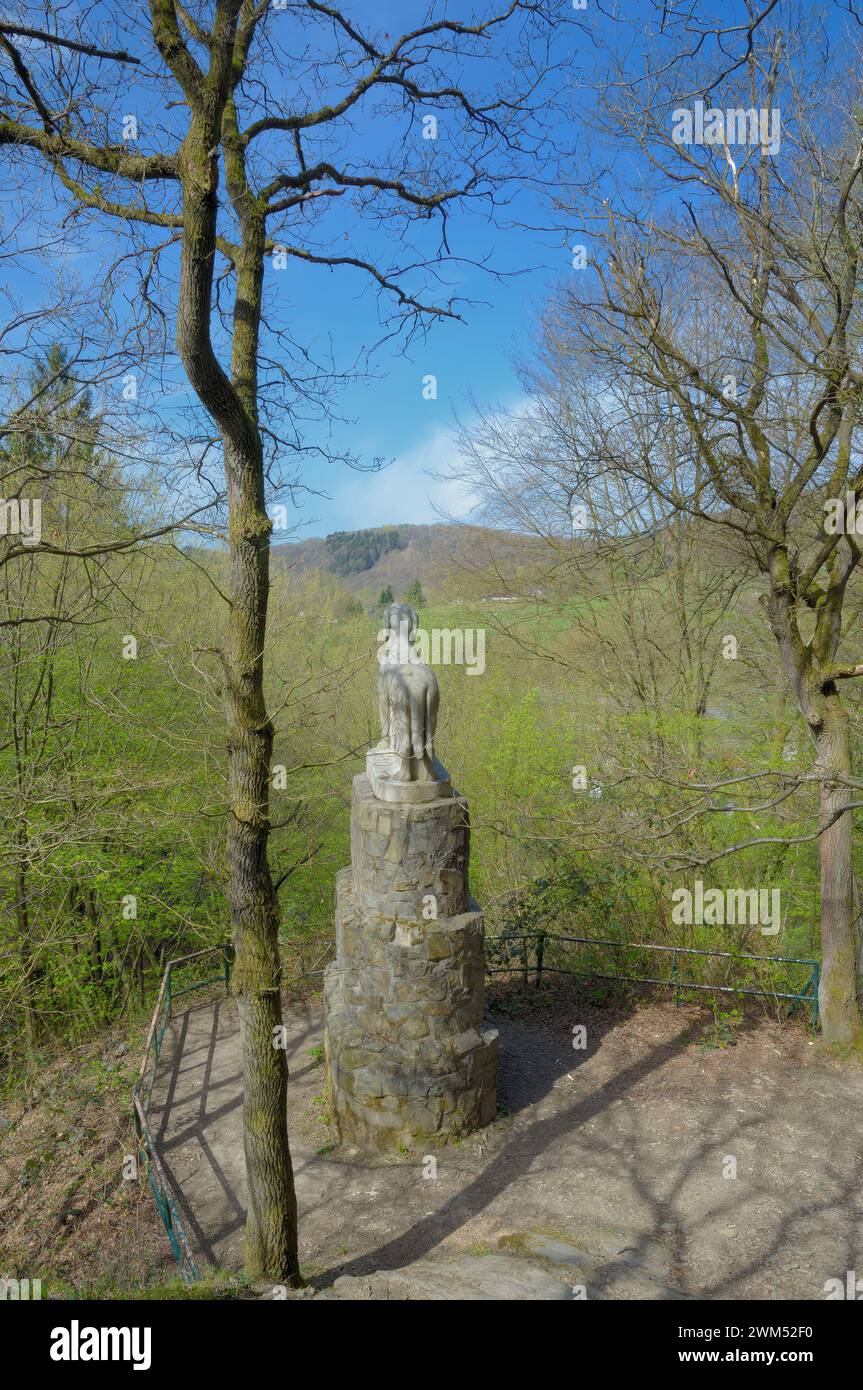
(271, 1220)
(271, 1223)
(819, 703)
(858, 934)
(32, 974)
(837, 994)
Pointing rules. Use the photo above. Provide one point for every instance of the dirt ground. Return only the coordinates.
(625, 1148)
(67, 1216)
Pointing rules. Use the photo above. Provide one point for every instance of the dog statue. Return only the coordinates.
(408, 699)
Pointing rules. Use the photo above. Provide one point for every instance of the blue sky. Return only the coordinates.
(395, 422)
(388, 418)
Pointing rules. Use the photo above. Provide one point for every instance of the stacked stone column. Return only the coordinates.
(408, 1059)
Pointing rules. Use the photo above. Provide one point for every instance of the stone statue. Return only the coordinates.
(410, 1061)
(403, 767)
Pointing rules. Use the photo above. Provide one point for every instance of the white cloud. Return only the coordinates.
(405, 489)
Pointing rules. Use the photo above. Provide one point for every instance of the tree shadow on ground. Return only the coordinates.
(536, 1053)
(198, 1099)
(514, 1160)
(674, 1211)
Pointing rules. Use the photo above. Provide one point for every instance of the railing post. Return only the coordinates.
(675, 975)
(816, 981)
(540, 951)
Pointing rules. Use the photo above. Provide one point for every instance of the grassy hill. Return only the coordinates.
(441, 557)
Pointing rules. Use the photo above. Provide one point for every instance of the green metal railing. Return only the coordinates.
(808, 996)
(148, 1156)
(163, 1193)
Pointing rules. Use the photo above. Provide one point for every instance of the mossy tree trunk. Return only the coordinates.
(298, 129)
(813, 676)
(271, 1226)
(837, 995)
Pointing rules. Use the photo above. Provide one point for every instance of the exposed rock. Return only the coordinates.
(539, 1266)
(470, 1277)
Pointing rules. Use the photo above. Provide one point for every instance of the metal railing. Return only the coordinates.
(163, 1192)
(148, 1156)
(807, 996)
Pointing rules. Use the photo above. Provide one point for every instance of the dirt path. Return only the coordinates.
(621, 1148)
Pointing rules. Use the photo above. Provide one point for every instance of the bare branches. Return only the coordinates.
(108, 159)
(392, 285)
(322, 170)
(391, 67)
(73, 45)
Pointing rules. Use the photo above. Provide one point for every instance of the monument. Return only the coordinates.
(409, 1061)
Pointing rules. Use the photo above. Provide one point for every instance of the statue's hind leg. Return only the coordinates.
(432, 700)
(384, 712)
(396, 718)
(422, 771)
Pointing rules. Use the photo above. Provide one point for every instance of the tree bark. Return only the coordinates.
(858, 933)
(819, 703)
(271, 1223)
(837, 1001)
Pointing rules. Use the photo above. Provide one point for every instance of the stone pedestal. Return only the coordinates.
(382, 770)
(408, 1059)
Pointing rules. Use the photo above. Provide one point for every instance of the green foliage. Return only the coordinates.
(125, 793)
(353, 552)
(414, 595)
(723, 1030)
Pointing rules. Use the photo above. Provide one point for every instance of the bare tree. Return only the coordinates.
(247, 149)
(717, 322)
(640, 599)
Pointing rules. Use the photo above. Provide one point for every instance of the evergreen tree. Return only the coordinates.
(415, 595)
